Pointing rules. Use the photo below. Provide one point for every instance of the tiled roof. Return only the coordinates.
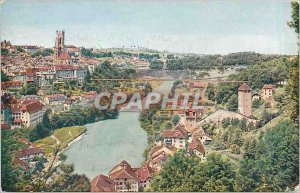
(30, 106)
(125, 172)
(244, 87)
(268, 86)
(196, 144)
(144, 172)
(64, 56)
(172, 134)
(29, 151)
(102, 183)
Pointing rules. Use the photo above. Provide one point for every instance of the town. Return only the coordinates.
(107, 101)
(44, 82)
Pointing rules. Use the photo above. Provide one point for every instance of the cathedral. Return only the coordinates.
(61, 56)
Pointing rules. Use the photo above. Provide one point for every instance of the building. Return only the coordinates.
(27, 113)
(30, 153)
(102, 183)
(61, 56)
(55, 99)
(70, 72)
(125, 177)
(158, 155)
(267, 91)
(12, 85)
(197, 148)
(31, 49)
(175, 138)
(145, 175)
(245, 100)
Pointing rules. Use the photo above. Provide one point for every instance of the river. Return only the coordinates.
(108, 142)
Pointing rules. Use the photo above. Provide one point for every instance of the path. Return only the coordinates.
(57, 141)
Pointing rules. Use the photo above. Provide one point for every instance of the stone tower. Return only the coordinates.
(59, 43)
(245, 100)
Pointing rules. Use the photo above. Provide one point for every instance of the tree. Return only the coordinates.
(156, 64)
(175, 119)
(184, 173)
(272, 163)
(292, 100)
(3, 77)
(210, 92)
(294, 23)
(233, 103)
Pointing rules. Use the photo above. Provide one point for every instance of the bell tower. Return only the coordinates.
(59, 43)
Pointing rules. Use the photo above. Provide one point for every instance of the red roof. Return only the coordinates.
(172, 134)
(11, 83)
(29, 105)
(244, 87)
(144, 172)
(64, 56)
(122, 171)
(29, 151)
(268, 86)
(196, 144)
(102, 183)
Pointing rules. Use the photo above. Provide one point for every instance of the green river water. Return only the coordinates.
(108, 142)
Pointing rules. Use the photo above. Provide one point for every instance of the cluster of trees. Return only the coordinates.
(246, 58)
(292, 100)
(271, 163)
(89, 53)
(270, 72)
(4, 51)
(207, 62)
(148, 57)
(30, 89)
(194, 62)
(156, 65)
(182, 173)
(45, 52)
(106, 71)
(15, 178)
(4, 77)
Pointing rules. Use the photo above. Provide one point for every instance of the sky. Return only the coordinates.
(203, 27)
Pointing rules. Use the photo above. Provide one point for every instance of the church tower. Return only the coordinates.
(59, 43)
(245, 100)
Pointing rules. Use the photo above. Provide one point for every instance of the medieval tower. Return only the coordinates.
(245, 100)
(59, 43)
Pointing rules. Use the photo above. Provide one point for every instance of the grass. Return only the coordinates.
(63, 135)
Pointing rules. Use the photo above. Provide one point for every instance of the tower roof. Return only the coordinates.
(244, 87)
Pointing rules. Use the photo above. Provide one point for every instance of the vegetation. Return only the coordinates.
(156, 64)
(4, 78)
(106, 71)
(207, 62)
(61, 137)
(29, 89)
(182, 173)
(45, 52)
(15, 178)
(4, 51)
(89, 53)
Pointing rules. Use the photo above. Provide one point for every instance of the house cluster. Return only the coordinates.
(123, 178)
(25, 158)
